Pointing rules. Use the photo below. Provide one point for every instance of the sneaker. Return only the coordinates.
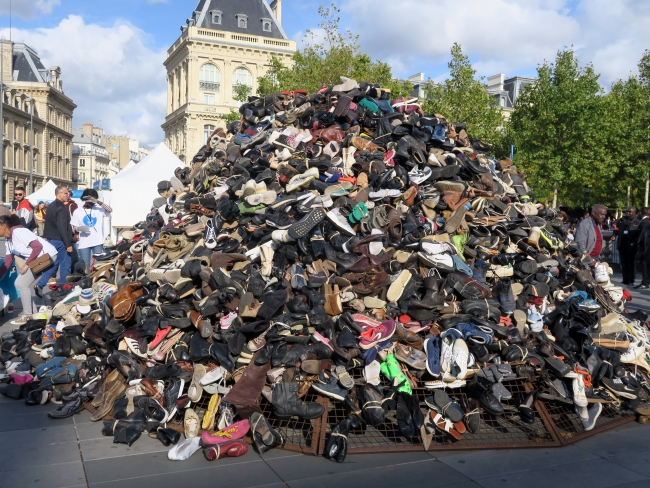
(328, 385)
(621, 390)
(210, 235)
(579, 396)
(374, 335)
(432, 349)
(600, 273)
(592, 416)
(302, 180)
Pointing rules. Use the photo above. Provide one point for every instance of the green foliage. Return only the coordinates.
(323, 62)
(240, 93)
(559, 131)
(463, 98)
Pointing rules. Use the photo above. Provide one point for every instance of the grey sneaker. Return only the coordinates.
(594, 412)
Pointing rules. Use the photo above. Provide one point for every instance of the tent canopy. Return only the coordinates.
(44, 194)
(134, 190)
(124, 170)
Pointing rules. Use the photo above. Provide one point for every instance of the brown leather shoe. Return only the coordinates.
(409, 196)
(113, 377)
(115, 392)
(407, 337)
(394, 225)
(364, 144)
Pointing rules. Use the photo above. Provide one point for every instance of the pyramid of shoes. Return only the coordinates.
(345, 246)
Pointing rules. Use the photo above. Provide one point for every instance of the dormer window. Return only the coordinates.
(266, 25)
(242, 21)
(216, 16)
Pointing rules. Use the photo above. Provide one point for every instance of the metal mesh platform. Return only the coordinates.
(503, 432)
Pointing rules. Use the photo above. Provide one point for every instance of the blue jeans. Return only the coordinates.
(86, 254)
(62, 263)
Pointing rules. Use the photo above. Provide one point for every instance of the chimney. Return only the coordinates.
(7, 61)
(276, 8)
(495, 82)
(87, 127)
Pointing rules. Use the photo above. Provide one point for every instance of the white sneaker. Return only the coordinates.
(210, 235)
(600, 273)
(636, 349)
(460, 356)
(592, 416)
(371, 373)
(579, 396)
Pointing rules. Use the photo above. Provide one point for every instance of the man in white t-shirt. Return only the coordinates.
(88, 221)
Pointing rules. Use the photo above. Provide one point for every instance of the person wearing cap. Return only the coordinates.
(88, 221)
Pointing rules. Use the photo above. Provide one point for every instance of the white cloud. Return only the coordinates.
(109, 72)
(28, 9)
(507, 36)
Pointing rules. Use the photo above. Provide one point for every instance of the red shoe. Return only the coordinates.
(227, 449)
(160, 335)
(375, 335)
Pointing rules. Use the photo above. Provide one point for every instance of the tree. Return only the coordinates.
(463, 98)
(323, 62)
(240, 94)
(559, 128)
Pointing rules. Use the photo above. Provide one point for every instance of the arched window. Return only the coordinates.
(209, 79)
(242, 21)
(242, 76)
(207, 131)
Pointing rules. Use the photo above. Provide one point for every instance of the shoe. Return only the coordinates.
(265, 437)
(234, 448)
(72, 404)
(287, 404)
(619, 389)
(432, 350)
(374, 335)
(593, 413)
(329, 386)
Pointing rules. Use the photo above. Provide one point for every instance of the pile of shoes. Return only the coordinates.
(340, 244)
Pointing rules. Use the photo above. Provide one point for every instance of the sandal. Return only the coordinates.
(444, 425)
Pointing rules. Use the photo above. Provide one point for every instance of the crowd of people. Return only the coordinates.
(64, 231)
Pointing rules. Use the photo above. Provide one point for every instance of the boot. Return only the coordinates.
(533, 237)
(287, 404)
(432, 298)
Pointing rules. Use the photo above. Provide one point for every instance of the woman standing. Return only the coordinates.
(39, 216)
(22, 248)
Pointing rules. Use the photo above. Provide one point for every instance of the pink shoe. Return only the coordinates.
(364, 321)
(21, 379)
(232, 432)
(226, 322)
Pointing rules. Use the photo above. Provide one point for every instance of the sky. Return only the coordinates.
(111, 52)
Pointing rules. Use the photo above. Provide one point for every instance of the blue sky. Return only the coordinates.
(111, 52)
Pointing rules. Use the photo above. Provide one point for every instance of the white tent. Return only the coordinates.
(124, 170)
(44, 194)
(134, 190)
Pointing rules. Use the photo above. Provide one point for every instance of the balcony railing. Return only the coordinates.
(209, 86)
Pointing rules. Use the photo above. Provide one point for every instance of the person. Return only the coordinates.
(627, 236)
(72, 207)
(39, 217)
(23, 247)
(643, 249)
(23, 208)
(589, 236)
(59, 233)
(88, 221)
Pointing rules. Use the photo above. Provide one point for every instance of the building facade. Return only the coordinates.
(28, 86)
(90, 159)
(225, 43)
(507, 90)
(122, 149)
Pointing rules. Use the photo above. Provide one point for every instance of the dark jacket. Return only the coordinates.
(627, 234)
(57, 223)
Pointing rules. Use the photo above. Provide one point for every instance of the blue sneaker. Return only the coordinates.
(432, 348)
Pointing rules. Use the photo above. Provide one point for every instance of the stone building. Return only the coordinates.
(25, 79)
(90, 159)
(225, 43)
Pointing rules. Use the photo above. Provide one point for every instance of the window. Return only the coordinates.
(82, 177)
(209, 78)
(208, 99)
(82, 163)
(207, 132)
(242, 21)
(266, 25)
(216, 17)
(242, 76)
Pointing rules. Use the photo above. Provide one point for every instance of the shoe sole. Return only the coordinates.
(327, 393)
(399, 284)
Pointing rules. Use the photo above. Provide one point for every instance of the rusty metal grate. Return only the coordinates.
(495, 432)
(568, 425)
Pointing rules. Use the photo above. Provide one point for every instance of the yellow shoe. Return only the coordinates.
(210, 415)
